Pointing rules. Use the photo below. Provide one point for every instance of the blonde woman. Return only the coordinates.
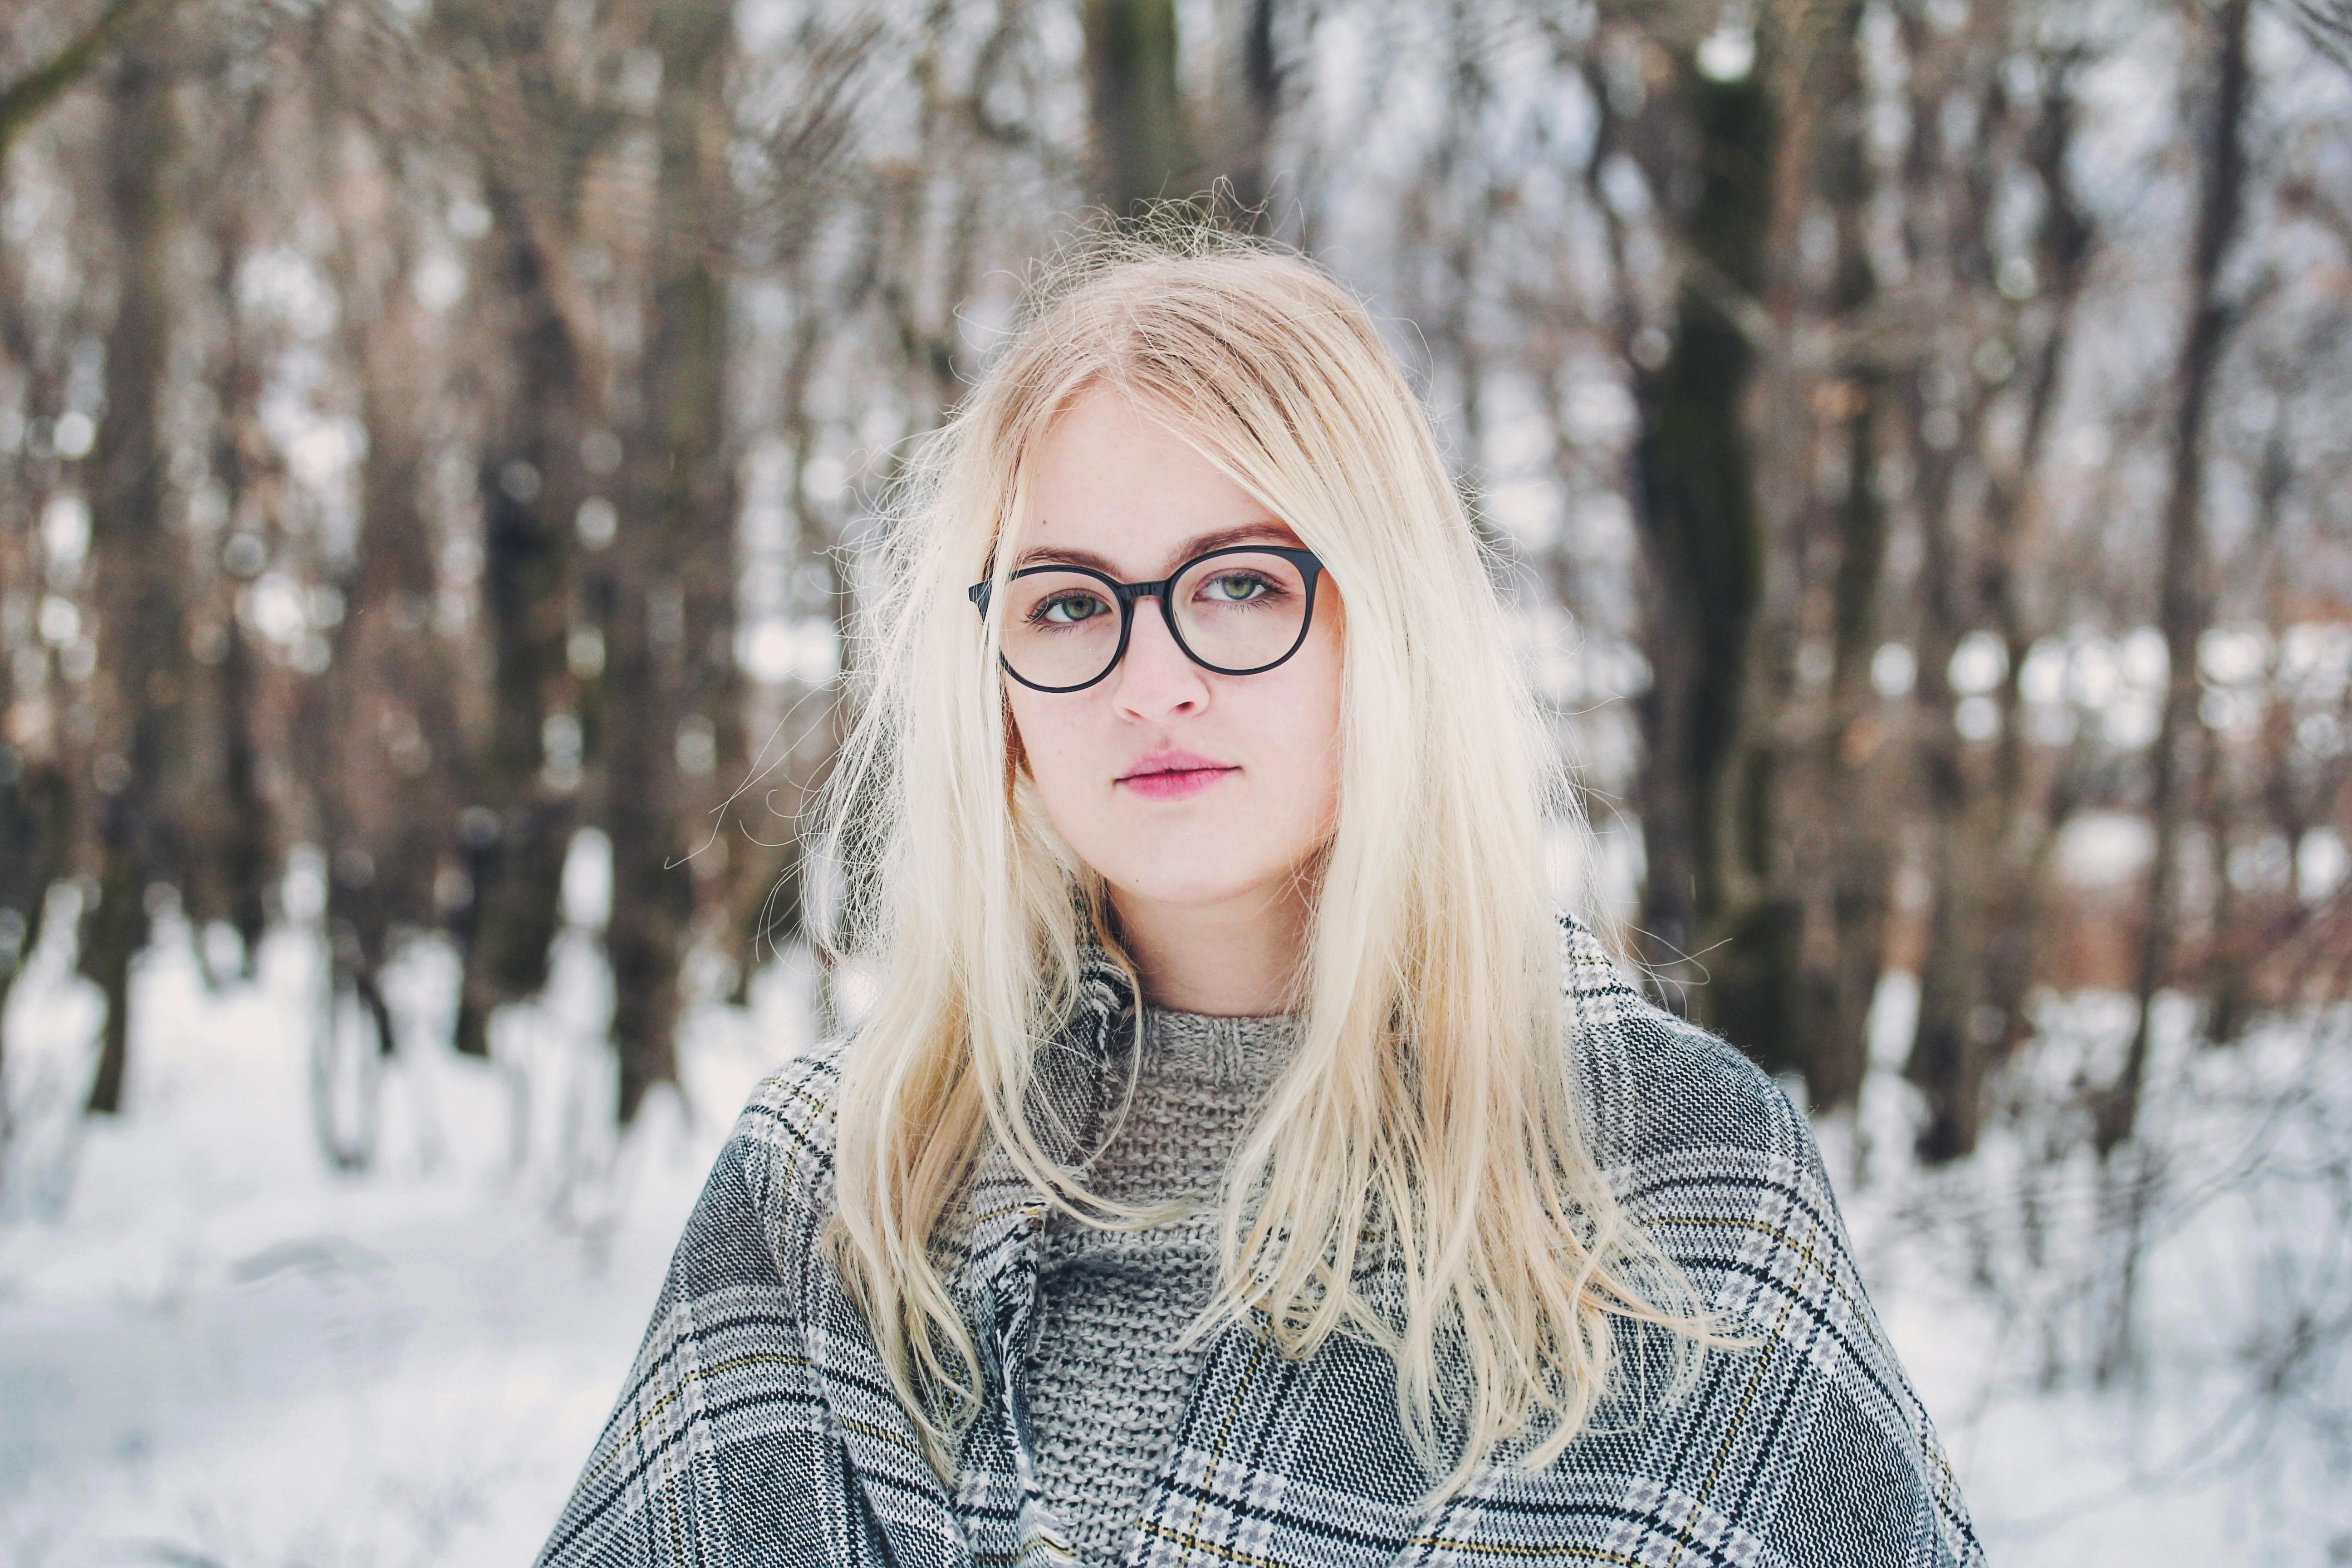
(1241, 1163)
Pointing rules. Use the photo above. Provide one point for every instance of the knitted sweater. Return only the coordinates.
(1107, 1381)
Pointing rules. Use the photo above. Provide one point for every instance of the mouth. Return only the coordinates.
(1174, 783)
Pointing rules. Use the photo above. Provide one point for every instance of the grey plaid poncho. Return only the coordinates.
(757, 1425)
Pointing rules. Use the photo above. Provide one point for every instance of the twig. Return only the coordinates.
(22, 101)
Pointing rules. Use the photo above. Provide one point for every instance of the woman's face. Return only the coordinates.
(1185, 790)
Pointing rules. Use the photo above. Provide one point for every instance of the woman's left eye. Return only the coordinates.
(1235, 587)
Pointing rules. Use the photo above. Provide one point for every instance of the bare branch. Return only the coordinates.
(2325, 25)
(22, 101)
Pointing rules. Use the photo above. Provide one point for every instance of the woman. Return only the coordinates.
(1241, 1163)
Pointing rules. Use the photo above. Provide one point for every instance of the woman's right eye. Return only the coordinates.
(1067, 609)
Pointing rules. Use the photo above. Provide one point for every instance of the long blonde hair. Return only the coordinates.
(1430, 1119)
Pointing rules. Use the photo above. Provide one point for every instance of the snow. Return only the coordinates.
(216, 1349)
(2223, 1439)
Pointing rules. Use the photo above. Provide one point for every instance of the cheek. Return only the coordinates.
(1047, 743)
(1325, 754)
(1328, 703)
(1300, 736)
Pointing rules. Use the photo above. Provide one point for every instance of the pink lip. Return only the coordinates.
(1173, 774)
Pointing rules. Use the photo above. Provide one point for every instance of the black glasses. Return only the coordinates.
(1236, 611)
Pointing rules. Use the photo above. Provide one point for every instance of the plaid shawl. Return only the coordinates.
(757, 1425)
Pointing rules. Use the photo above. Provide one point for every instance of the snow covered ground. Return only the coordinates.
(2223, 1431)
(216, 1350)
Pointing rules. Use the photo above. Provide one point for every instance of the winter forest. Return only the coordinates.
(438, 440)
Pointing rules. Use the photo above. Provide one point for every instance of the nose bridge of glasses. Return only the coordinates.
(1163, 591)
(1130, 592)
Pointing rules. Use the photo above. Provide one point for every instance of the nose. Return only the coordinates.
(1155, 679)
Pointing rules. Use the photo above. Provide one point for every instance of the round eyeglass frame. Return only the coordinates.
(1310, 567)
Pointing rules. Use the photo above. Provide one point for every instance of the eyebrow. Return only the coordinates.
(1265, 531)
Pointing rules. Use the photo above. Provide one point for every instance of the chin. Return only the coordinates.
(1175, 888)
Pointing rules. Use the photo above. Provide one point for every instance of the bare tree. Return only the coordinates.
(669, 676)
(232, 848)
(136, 571)
(1703, 576)
(1989, 821)
(534, 143)
(1993, 848)
(1143, 140)
(2183, 592)
(25, 97)
(386, 719)
(1832, 846)
(38, 807)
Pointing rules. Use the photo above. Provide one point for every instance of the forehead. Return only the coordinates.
(1115, 487)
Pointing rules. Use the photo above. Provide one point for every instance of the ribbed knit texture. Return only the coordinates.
(1108, 1383)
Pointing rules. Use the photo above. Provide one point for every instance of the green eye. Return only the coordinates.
(1235, 588)
(1067, 609)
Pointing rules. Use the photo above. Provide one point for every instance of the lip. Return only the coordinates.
(1173, 774)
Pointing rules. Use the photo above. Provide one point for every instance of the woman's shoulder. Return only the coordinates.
(1660, 1088)
(1720, 1168)
(1707, 1154)
(783, 1139)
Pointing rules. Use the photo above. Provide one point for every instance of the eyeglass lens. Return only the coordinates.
(1236, 614)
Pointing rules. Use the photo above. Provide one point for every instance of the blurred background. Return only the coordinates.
(437, 443)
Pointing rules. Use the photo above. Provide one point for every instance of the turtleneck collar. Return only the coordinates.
(1239, 1053)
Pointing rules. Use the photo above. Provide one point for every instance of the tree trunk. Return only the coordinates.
(1143, 146)
(388, 726)
(1844, 891)
(1253, 91)
(2183, 593)
(36, 838)
(2023, 823)
(36, 798)
(1989, 833)
(670, 690)
(517, 831)
(2239, 946)
(1701, 556)
(134, 560)
(230, 820)
(1830, 827)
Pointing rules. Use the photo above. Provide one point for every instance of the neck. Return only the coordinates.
(1234, 959)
